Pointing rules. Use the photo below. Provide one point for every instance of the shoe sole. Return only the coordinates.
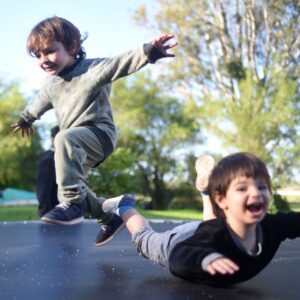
(204, 166)
(71, 222)
(121, 227)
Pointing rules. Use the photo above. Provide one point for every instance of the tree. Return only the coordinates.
(152, 128)
(18, 156)
(115, 176)
(239, 61)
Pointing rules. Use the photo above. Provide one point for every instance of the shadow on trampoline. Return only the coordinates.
(43, 261)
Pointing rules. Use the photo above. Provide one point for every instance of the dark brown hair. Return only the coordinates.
(230, 167)
(56, 29)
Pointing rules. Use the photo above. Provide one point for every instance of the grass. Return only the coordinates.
(18, 213)
(29, 213)
(294, 202)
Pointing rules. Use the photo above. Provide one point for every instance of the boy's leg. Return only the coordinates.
(77, 150)
(149, 243)
(204, 166)
(123, 206)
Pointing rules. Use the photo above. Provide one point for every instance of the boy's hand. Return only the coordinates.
(28, 130)
(160, 43)
(222, 266)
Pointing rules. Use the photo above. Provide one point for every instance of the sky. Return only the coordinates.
(109, 24)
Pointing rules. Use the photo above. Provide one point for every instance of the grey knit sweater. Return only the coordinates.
(81, 96)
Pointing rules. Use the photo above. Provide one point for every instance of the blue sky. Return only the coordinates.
(109, 24)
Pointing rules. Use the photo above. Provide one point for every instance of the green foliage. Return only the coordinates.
(279, 203)
(116, 176)
(153, 126)
(185, 197)
(238, 62)
(18, 155)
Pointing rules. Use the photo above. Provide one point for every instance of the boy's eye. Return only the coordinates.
(51, 50)
(241, 188)
(263, 187)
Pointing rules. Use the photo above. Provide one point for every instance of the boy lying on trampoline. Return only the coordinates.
(238, 237)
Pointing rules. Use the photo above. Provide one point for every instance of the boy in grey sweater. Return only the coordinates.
(78, 90)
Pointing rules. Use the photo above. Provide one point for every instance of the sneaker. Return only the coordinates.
(204, 166)
(111, 205)
(109, 230)
(65, 214)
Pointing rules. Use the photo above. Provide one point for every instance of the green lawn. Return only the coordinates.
(28, 213)
(294, 202)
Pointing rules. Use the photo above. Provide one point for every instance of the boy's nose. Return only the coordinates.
(43, 58)
(255, 191)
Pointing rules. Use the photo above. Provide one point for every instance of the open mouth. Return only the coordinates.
(255, 207)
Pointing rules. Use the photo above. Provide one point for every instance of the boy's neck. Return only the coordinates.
(70, 68)
(246, 234)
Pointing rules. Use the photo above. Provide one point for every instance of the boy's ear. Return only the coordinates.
(72, 49)
(220, 200)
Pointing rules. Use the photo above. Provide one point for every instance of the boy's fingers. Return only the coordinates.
(16, 129)
(211, 270)
(32, 131)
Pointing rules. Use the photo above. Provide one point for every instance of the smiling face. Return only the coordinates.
(246, 201)
(53, 57)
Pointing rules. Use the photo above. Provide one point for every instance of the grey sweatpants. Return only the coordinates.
(77, 150)
(157, 246)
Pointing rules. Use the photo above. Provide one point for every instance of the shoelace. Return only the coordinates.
(62, 205)
(104, 227)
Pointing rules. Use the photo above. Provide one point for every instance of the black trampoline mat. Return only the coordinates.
(44, 261)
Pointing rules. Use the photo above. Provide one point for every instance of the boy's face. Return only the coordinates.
(246, 202)
(53, 58)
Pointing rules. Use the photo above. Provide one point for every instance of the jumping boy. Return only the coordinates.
(78, 90)
(228, 249)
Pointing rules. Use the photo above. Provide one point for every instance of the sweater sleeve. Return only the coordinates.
(110, 69)
(189, 258)
(288, 224)
(37, 108)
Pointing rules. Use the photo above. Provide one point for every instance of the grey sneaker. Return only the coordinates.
(204, 166)
(111, 205)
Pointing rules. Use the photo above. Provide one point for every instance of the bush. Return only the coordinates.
(279, 203)
(185, 197)
(185, 203)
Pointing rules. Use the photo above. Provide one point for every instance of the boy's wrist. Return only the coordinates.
(23, 123)
(153, 53)
(209, 259)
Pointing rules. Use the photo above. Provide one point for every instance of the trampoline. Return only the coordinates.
(44, 261)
